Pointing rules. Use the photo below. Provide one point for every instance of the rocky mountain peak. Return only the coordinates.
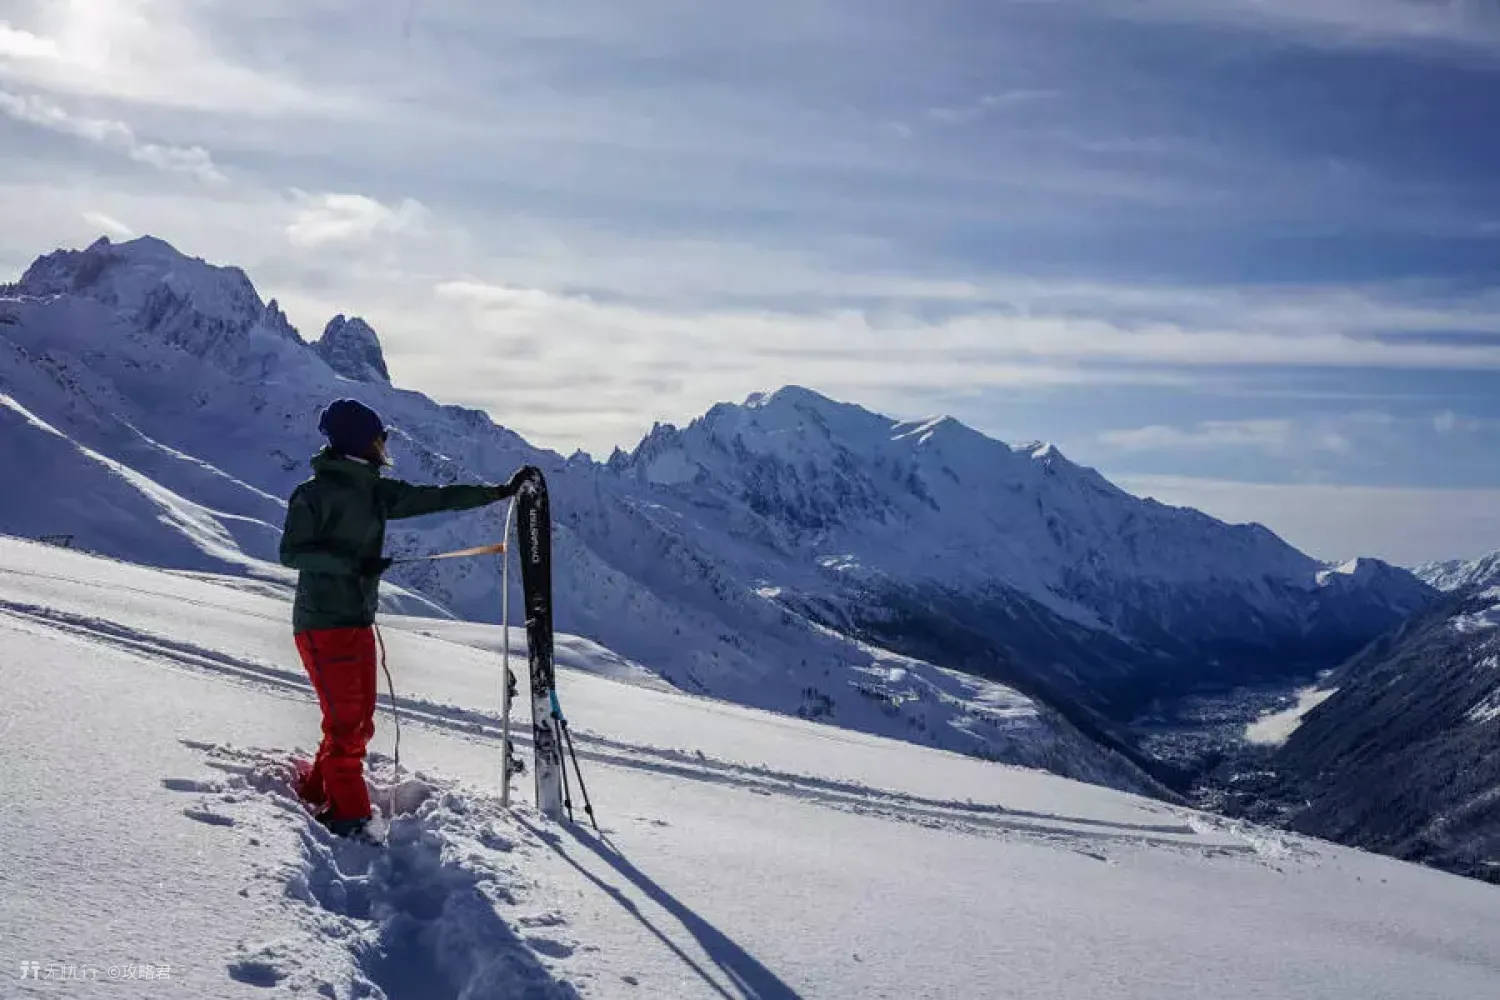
(350, 347)
(181, 301)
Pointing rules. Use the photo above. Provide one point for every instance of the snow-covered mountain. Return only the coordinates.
(1010, 562)
(1404, 756)
(792, 553)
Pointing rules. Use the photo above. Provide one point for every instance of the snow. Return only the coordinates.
(1456, 574)
(1486, 710)
(1352, 567)
(1274, 728)
(149, 717)
(1483, 620)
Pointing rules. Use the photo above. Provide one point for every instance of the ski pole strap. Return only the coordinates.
(556, 705)
(478, 550)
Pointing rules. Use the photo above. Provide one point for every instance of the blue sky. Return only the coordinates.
(1241, 254)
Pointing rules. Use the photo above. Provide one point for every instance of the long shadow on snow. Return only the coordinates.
(746, 973)
(847, 796)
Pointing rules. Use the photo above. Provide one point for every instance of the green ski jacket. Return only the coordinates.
(335, 530)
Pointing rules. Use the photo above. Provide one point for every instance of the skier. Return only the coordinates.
(335, 530)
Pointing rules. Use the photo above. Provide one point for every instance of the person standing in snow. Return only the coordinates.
(334, 534)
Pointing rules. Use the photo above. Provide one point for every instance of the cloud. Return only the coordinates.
(148, 51)
(330, 218)
(1449, 422)
(1043, 336)
(1271, 435)
(986, 105)
(525, 344)
(1360, 23)
(32, 109)
(108, 224)
(1401, 524)
(18, 44)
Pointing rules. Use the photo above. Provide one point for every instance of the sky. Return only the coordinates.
(1241, 254)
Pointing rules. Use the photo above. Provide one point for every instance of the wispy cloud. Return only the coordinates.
(988, 104)
(108, 224)
(329, 218)
(1273, 436)
(1265, 435)
(1449, 422)
(32, 109)
(1456, 23)
(148, 51)
(18, 44)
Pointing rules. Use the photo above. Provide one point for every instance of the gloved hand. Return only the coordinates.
(375, 566)
(522, 474)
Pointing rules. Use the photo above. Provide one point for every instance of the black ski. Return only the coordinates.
(534, 532)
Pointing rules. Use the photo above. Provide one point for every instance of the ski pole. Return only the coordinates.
(557, 734)
(477, 550)
(566, 739)
(588, 807)
(505, 677)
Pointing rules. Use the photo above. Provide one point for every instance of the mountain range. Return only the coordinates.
(908, 578)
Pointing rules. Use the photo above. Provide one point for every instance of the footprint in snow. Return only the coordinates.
(211, 818)
(549, 947)
(255, 972)
(495, 840)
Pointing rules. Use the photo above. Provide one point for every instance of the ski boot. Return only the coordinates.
(361, 830)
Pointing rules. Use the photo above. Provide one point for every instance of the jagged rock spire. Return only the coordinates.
(351, 348)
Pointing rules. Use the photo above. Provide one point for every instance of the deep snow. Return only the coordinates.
(148, 717)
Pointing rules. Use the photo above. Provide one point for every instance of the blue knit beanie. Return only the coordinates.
(350, 426)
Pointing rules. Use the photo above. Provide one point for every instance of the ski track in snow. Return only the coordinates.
(1085, 834)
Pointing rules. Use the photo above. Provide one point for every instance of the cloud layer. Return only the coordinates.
(116, 135)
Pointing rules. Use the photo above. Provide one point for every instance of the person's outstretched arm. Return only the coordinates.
(301, 548)
(399, 499)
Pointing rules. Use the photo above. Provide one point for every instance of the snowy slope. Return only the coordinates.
(912, 580)
(744, 854)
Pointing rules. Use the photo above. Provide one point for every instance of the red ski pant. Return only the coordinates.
(341, 665)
